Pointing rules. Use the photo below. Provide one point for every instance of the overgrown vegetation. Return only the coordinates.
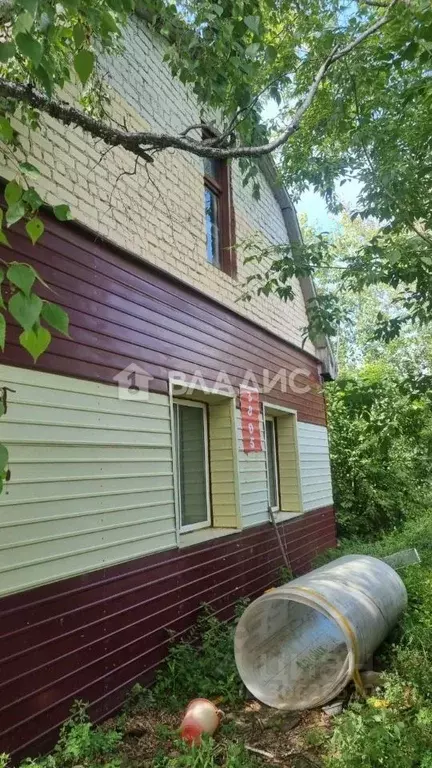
(380, 423)
(81, 743)
(210, 754)
(394, 728)
(201, 665)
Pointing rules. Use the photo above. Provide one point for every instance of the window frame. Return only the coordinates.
(207, 523)
(273, 420)
(222, 188)
(214, 189)
(281, 412)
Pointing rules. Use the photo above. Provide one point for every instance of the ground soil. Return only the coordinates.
(273, 737)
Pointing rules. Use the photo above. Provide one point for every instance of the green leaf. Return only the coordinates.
(35, 341)
(410, 51)
(62, 212)
(108, 23)
(15, 212)
(45, 78)
(84, 63)
(13, 192)
(4, 458)
(3, 239)
(78, 33)
(252, 23)
(252, 50)
(35, 229)
(30, 47)
(425, 32)
(29, 170)
(6, 130)
(25, 309)
(7, 51)
(22, 276)
(2, 332)
(56, 317)
(30, 6)
(32, 198)
(271, 53)
(23, 23)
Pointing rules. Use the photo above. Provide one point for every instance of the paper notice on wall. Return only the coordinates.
(250, 420)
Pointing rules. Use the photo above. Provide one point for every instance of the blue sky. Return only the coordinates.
(312, 203)
(315, 208)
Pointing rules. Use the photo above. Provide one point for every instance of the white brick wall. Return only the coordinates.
(158, 212)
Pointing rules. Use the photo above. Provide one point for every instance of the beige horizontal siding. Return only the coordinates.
(91, 478)
(314, 466)
(253, 481)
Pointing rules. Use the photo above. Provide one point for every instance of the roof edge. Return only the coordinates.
(322, 343)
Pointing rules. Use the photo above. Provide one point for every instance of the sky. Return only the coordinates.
(314, 206)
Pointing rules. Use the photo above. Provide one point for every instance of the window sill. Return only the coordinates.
(281, 517)
(204, 534)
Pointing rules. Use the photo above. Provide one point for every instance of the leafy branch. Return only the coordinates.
(139, 143)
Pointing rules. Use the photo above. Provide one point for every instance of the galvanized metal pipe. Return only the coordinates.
(298, 646)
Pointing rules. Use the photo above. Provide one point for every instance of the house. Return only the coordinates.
(146, 449)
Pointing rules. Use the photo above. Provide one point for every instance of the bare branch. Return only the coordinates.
(196, 127)
(135, 142)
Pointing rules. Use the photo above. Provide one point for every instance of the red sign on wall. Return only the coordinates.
(250, 420)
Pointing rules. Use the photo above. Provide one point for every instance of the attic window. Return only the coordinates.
(219, 215)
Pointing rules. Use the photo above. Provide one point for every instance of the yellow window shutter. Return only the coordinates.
(289, 474)
(223, 465)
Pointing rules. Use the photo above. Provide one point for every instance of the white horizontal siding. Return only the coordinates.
(314, 466)
(253, 481)
(91, 478)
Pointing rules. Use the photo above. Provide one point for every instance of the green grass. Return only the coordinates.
(394, 729)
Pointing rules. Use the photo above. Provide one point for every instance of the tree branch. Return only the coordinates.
(135, 142)
(375, 3)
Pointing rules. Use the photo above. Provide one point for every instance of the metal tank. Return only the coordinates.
(298, 646)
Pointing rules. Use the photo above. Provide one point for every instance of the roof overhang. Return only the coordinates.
(322, 344)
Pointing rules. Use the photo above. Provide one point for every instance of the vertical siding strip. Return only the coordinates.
(314, 466)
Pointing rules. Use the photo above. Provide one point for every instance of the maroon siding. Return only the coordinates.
(92, 636)
(125, 311)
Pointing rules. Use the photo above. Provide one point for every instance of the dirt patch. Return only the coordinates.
(274, 737)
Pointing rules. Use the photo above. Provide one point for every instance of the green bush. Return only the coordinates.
(81, 743)
(395, 729)
(202, 665)
(380, 426)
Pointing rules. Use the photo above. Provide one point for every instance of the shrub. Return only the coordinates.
(81, 743)
(393, 731)
(381, 449)
(202, 665)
